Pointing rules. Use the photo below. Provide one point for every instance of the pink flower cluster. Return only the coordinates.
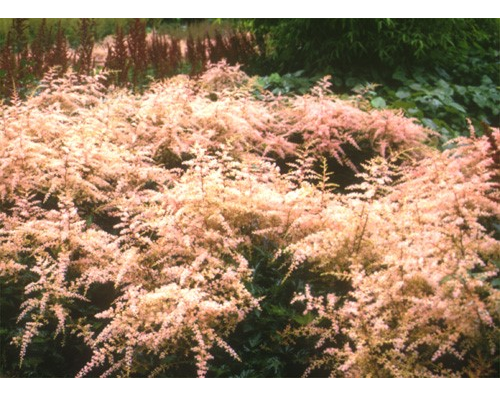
(413, 245)
(163, 194)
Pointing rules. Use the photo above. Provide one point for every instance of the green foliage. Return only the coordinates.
(259, 340)
(49, 356)
(438, 102)
(103, 27)
(346, 44)
(290, 83)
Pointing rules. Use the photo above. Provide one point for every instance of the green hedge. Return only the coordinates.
(343, 44)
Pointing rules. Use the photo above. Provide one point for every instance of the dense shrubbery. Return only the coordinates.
(379, 45)
(195, 230)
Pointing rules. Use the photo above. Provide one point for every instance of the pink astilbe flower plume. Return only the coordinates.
(160, 198)
(420, 263)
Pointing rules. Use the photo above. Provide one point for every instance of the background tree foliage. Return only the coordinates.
(318, 45)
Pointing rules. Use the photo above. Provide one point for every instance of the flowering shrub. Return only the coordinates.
(412, 246)
(162, 198)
